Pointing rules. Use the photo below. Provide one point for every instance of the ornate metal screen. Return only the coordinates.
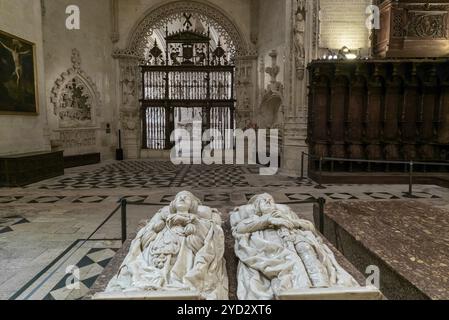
(189, 75)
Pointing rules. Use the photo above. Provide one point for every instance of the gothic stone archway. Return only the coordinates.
(138, 42)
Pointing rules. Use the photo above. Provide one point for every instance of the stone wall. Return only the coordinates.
(93, 67)
(23, 134)
(343, 23)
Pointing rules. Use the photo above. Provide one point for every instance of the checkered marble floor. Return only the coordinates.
(206, 198)
(159, 174)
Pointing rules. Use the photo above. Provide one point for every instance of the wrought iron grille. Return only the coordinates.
(187, 75)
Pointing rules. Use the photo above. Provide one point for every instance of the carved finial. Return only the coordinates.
(273, 71)
(76, 59)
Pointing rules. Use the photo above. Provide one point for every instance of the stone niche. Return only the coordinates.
(412, 29)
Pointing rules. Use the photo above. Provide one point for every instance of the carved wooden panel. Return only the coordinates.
(319, 114)
(355, 115)
(411, 28)
(379, 109)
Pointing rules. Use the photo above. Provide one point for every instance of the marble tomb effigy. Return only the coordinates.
(179, 253)
(283, 257)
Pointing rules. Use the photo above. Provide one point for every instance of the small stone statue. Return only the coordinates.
(298, 39)
(279, 252)
(181, 249)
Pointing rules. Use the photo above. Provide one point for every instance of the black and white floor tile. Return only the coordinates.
(71, 275)
(381, 196)
(7, 224)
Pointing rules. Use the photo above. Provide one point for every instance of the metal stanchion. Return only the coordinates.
(302, 165)
(320, 178)
(410, 185)
(321, 203)
(124, 203)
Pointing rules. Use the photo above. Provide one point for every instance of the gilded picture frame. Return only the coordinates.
(19, 93)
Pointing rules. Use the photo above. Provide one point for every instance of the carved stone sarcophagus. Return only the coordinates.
(412, 29)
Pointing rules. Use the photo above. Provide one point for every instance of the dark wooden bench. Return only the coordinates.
(24, 169)
(81, 160)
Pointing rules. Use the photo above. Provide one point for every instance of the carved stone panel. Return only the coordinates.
(244, 86)
(78, 138)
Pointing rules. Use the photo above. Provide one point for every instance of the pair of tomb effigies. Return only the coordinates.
(179, 254)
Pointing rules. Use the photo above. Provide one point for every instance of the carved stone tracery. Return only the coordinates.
(75, 97)
(159, 17)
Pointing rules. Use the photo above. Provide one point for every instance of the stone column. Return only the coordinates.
(302, 47)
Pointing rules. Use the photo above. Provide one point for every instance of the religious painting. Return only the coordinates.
(18, 79)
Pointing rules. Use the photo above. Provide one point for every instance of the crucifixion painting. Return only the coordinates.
(17, 75)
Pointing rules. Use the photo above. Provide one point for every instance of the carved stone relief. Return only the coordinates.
(78, 138)
(129, 109)
(75, 97)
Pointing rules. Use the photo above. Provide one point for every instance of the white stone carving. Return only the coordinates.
(75, 97)
(279, 252)
(180, 250)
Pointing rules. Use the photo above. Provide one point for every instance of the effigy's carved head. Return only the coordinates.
(263, 204)
(185, 202)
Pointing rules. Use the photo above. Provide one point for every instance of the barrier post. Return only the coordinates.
(410, 187)
(320, 177)
(321, 203)
(302, 165)
(124, 203)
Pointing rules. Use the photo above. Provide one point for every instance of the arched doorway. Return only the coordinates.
(152, 29)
